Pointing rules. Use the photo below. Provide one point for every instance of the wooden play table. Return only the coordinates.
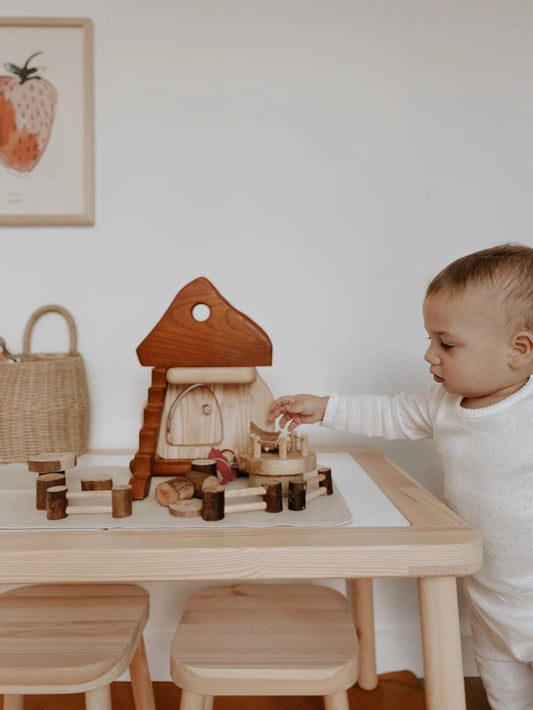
(436, 548)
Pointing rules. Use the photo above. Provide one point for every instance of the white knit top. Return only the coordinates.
(487, 457)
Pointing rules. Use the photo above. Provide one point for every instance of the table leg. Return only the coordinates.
(441, 642)
(363, 611)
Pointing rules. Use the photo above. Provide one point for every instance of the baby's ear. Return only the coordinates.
(521, 353)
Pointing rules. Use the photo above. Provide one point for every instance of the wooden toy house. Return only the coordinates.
(205, 390)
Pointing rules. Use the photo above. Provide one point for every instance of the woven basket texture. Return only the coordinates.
(44, 399)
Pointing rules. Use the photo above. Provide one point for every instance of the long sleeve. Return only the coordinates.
(401, 416)
(487, 459)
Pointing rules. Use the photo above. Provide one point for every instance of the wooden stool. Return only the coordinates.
(265, 639)
(76, 638)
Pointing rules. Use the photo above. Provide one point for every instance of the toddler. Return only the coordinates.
(478, 313)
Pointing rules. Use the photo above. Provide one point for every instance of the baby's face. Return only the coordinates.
(470, 345)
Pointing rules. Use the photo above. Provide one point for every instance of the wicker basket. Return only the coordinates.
(44, 399)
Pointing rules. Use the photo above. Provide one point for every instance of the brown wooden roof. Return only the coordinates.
(227, 338)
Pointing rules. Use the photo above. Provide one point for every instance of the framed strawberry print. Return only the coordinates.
(46, 121)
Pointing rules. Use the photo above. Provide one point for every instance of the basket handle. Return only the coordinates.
(51, 309)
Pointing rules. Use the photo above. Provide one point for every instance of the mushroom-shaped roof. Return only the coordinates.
(225, 338)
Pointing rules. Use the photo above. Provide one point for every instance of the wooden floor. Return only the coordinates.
(396, 691)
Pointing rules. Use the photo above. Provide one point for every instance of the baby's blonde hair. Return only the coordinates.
(508, 268)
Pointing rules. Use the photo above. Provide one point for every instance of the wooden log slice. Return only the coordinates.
(56, 502)
(43, 483)
(213, 504)
(205, 466)
(327, 483)
(273, 497)
(97, 483)
(52, 462)
(186, 508)
(297, 495)
(202, 481)
(121, 501)
(178, 488)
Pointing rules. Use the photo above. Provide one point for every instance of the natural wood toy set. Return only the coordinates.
(53, 495)
(196, 493)
(206, 401)
(199, 493)
(206, 393)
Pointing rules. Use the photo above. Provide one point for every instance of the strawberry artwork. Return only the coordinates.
(27, 106)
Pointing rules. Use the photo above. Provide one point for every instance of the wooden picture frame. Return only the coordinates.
(46, 121)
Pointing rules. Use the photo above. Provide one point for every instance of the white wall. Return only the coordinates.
(319, 161)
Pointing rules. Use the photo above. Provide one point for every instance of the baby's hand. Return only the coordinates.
(298, 409)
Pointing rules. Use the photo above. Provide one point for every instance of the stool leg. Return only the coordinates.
(141, 685)
(192, 701)
(363, 611)
(208, 704)
(13, 702)
(98, 699)
(337, 701)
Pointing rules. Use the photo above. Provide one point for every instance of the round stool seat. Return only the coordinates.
(265, 639)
